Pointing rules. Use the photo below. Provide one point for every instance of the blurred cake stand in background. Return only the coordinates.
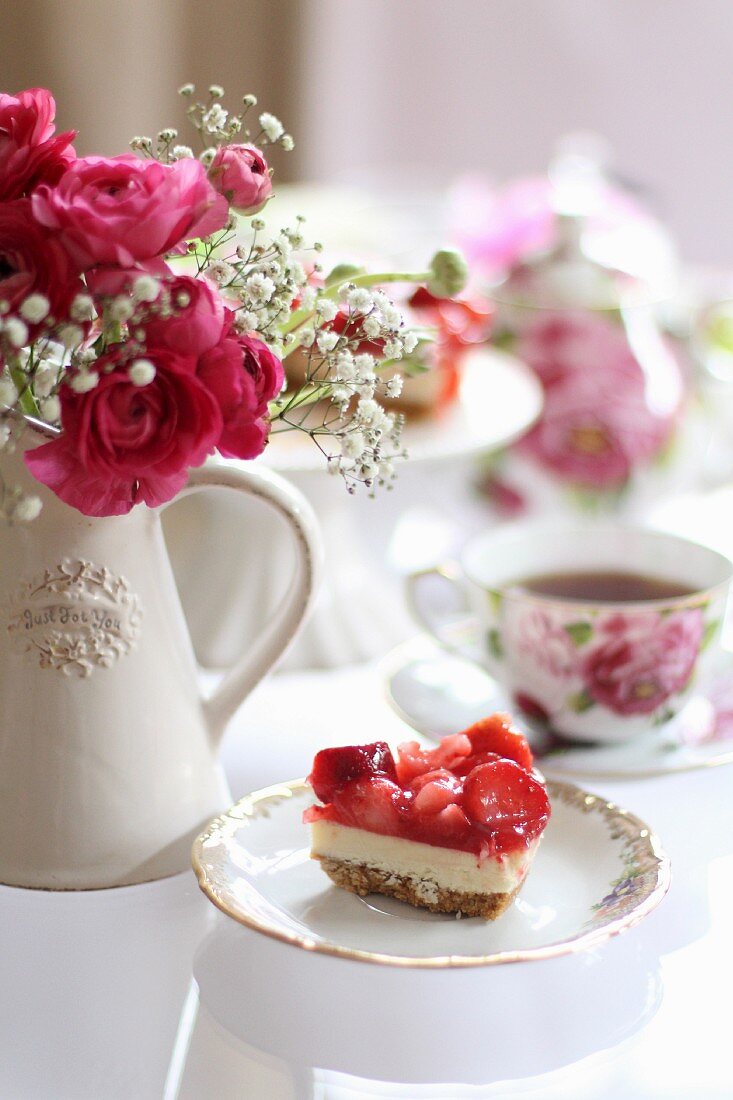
(360, 613)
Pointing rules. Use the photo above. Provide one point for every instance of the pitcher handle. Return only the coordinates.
(277, 634)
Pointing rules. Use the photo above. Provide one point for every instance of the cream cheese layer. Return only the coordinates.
(448, 868)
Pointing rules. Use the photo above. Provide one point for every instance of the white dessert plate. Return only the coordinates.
(498, 400)
(438, 692)
(597, 872)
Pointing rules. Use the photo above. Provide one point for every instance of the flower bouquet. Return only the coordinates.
(146, 314)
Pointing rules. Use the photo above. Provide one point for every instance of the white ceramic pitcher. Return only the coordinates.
(108, 753)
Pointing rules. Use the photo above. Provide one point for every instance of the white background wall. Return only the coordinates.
(441, 85)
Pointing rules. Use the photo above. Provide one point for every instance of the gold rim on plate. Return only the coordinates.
(633, 896)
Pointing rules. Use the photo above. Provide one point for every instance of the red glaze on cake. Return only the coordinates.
(474, 794)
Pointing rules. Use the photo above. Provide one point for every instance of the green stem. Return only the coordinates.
(26, 400)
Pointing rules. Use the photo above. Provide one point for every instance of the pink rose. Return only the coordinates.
(244, 376)
(196, 322)
(123, 443)
(124, 211)
(240, 173)
(33, 262)
(643, 659)
(29, 152)
(538, 636)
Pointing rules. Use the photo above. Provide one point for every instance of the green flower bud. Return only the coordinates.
(448, 273)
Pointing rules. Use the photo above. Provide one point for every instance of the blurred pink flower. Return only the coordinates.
(597, 425)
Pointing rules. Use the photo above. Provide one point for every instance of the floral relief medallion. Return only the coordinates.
(75, 617)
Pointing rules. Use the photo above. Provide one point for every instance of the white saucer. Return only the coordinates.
(498, 400)
(437, 693)
(597, 872)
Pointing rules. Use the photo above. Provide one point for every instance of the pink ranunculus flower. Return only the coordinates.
(244, 376)
(30, 150)
(241, 174)
(642, 659)
(32, 261)
(196, 319)
(123, 443)
(122, 211)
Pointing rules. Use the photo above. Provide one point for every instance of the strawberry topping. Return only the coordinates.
(475, 791)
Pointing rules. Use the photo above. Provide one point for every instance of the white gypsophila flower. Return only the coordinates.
(409, 342)
(386, 469)
(272, 126)
(365, 365)
(371, 326)
(214, 119)
(326, 309)
(296, 272)
(391, 317)
(181, 152)
(16, 331)
(141, 372)
(353, 445)
(207, 156)
(146, 289)
(183, 299)
(248, 319)
(216, 91)
(341, 395)
(44, 379)
(26, 509)
(308, 298)
(166, 136)
(249, 100)
(327, 341)
(368, 412)
(84, 381)
(259, 288)
(8, 392)
(120, 309)
(394, 386)
(186, 89)
(368, 469)
(84, 356)
(220, 272)
(70, 335)
(82, 308)
(51, 410)
(287, 143)
(393, 349)
(306, 336)
(35, 308)
(359, 299)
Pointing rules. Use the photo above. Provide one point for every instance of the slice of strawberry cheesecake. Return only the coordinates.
(451, 829)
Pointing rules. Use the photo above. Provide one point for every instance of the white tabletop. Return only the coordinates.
(148, 992)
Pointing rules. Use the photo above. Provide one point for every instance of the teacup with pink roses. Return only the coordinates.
(591, 669)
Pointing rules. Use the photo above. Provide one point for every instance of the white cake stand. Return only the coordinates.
(218, 544)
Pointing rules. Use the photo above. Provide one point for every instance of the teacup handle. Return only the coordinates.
(456, 635)
(277, 634)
